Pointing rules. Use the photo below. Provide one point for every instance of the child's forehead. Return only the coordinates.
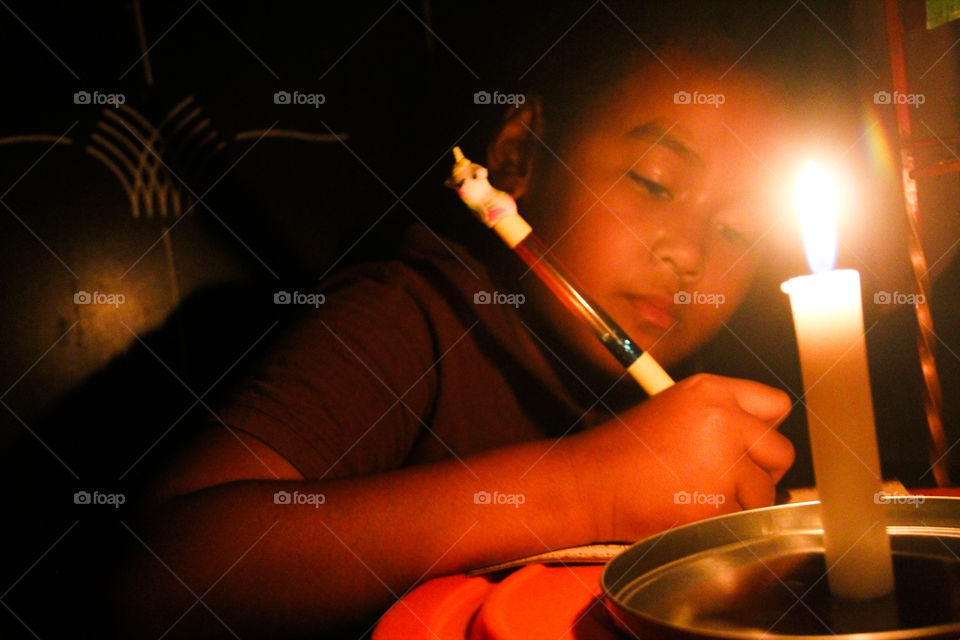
(698, 104)
(692, 89)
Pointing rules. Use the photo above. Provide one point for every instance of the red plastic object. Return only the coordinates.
(546, 602)
(440, 609)
(535, 602)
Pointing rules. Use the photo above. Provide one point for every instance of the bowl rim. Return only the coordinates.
(903, 519)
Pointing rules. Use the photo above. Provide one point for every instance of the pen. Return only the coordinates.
(498, 210)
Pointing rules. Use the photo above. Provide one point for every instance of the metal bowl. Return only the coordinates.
(761, 574)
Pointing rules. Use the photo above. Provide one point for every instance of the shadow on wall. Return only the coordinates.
(103, 438)
(104, 360)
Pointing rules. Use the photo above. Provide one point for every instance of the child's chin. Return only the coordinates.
(660, 346)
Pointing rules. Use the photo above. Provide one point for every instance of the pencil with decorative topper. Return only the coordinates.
(498, 210)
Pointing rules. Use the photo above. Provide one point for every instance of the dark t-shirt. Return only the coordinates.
(401, 366)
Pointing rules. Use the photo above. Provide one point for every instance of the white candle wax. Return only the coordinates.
(828, 317)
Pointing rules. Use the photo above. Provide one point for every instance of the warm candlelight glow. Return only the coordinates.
(817, 201)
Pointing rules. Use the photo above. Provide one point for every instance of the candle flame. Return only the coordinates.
(816, 201)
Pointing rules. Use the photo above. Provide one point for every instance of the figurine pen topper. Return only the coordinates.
(498, 210)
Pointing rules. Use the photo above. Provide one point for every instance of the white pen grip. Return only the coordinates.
(650, 374)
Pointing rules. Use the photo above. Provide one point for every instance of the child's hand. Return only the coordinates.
(706, 446)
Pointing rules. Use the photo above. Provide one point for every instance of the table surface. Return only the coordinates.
(536, 601)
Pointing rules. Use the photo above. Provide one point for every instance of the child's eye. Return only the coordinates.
(732, 235)
(655, 189)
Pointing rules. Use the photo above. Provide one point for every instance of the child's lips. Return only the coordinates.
(654, 310)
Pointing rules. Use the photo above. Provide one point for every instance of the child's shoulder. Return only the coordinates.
(429, 270)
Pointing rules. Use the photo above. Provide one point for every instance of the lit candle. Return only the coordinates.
(828, 317)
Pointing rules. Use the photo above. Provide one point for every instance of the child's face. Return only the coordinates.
(671, 246)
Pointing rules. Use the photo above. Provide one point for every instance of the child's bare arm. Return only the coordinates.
(288, 568)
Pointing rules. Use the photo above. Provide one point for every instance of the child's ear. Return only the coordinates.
(511, 152)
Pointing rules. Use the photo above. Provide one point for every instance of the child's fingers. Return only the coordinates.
(766, 403)
(768, 448)
(754, 486)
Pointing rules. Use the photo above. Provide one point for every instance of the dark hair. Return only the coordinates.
(572, 81)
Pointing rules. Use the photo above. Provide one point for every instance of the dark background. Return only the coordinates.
(93, 396)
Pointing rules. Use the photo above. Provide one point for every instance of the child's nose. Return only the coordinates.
(680, 250)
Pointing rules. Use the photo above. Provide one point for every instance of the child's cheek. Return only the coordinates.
(728, 281)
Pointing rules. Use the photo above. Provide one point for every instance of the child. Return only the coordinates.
(442, 413)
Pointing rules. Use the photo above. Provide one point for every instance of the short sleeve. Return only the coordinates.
(348, 389)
